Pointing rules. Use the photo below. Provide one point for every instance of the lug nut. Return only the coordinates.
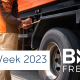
(58, 68)
(58, 52)
(56, 60)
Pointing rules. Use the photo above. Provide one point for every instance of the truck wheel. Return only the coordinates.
(56, 40)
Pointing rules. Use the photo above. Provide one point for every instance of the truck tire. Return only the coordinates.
(56, 40)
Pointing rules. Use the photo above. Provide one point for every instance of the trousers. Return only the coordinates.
(8, 41)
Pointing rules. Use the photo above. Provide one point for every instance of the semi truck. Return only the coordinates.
(57, 29)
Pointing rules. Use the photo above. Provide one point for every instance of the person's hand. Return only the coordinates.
(26, 26)
(27, 23)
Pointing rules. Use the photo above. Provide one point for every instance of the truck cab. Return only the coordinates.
(57, 30)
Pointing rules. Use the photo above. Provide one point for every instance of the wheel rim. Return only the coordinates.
(55, 61)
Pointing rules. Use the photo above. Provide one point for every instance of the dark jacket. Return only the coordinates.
(9, 19)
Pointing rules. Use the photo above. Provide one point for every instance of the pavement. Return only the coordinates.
(25, 75)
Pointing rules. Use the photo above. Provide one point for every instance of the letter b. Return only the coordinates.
(65, 56)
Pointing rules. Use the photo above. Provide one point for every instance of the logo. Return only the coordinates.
(71, 60)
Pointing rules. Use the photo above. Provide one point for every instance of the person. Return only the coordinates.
(9, 22)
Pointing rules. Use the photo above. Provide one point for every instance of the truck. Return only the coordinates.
(58, 29)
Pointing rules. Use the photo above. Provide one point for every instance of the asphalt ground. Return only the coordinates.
(25, 75)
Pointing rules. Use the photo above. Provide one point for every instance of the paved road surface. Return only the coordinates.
(24, 75)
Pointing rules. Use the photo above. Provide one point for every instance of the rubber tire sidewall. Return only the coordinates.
(61, 40)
